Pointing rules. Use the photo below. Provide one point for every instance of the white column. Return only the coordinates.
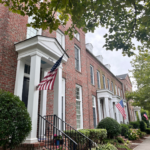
(111, 109)
(58, 93)
(19, 78)
(106, 107)
(99, 108)
(33, 97)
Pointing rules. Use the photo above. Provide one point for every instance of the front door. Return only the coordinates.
(25, 91)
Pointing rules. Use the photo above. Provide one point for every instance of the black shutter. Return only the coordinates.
(94, 117)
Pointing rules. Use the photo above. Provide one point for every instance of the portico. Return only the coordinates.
(35, 58)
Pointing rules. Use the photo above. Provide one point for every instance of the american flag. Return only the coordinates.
(121, 108)
(48, 82)
(145, 115)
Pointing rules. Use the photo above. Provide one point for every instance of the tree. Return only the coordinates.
(15, 122)
(141, 73)
(125, 20)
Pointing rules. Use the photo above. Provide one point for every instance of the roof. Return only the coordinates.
(122, 76)
(103, 65)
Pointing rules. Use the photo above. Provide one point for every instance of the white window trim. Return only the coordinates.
(77, 37)
(112, 86)
(93, 74)
(119, 91)
(99, 79)
(116, 89)
(108, 84)
(63, 38)
(104, 81)
(80, 88)
(95, 107)
(79, 58)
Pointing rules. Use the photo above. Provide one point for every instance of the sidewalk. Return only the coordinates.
(145, 145)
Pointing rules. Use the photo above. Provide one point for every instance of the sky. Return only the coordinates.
(119, 64)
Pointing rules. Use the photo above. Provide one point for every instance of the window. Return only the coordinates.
(112, 86)
(121, 94)
(79, 107)
(94, 112)
(77, 36)
(114, 109)
(92, 74)
(108, 84)
(104, 82)
(60, 38)
(116, 89)
(27, 69)
(31, 32)
(98, 79)
(77, 59)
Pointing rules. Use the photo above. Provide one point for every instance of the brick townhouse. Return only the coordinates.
(85, 90)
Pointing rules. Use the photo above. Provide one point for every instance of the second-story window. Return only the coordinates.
(31, 32)
(108, 84)
(77, 59)
(104, 86)
(77, 36)
(112, 86)
(121, 94)
(116, 89)
(60, 38)
(92, 74)
(98, 79)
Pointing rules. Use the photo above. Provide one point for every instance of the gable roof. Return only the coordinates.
(122, 76)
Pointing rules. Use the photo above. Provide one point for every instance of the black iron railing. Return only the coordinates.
(83, 142)
(53, 137)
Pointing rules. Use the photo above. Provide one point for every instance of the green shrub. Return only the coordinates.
(130, 126)
(148, 130)
(125, 146)
(15, 122)
(120, 140)
(124, 130)
(135, 124)
(108, 146)
(111, 125)
(143, 118)
(142, 126)
(133, 134)
(111, 141)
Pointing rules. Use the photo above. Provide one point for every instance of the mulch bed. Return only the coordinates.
(136, 141)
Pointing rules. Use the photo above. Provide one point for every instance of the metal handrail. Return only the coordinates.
(71, 128)
(54, 127)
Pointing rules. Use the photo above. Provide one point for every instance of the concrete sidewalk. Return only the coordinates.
(145, 145)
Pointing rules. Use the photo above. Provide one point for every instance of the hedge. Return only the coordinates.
(135, 124)
(148, 130)
(143, 126)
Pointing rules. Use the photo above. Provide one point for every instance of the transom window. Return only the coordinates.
(77, 58)
(27, 69)
(98, 79)
(94, 111)
(104, 82)
(31, 32)
(77, 36)
(108, 84)
(60, 38)
(79, 107)
(92, 74)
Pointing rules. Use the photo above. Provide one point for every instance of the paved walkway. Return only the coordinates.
(145, 145)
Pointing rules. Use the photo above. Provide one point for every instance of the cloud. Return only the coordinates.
(119, 64)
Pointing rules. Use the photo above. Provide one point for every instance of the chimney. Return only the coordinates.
(89, 46)
(100, 58)
(108, 66)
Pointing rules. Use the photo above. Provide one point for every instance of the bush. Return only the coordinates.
(148, 130)
(108, 146)
(120, 140)
(111, 125)
(15, 122)
(124, 130)
(130, 126)
(142, 126)
(135, 124)
(111, 141)
(133, 134)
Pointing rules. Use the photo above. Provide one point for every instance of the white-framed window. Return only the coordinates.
(94, 111)
(98, 79)
(108, 84)
(77, 59)
(121, 94)
(112, 86)
(104, 85)
(79, 116)
(60, 38)
(116, 89)
(92, 74)
(58, 15)
(31, 32)
(77, 36)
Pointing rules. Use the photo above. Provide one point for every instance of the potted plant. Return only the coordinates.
(58, 139)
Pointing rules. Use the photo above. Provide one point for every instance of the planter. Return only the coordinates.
(57, 142)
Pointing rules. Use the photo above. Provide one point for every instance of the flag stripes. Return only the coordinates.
(120, 107)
